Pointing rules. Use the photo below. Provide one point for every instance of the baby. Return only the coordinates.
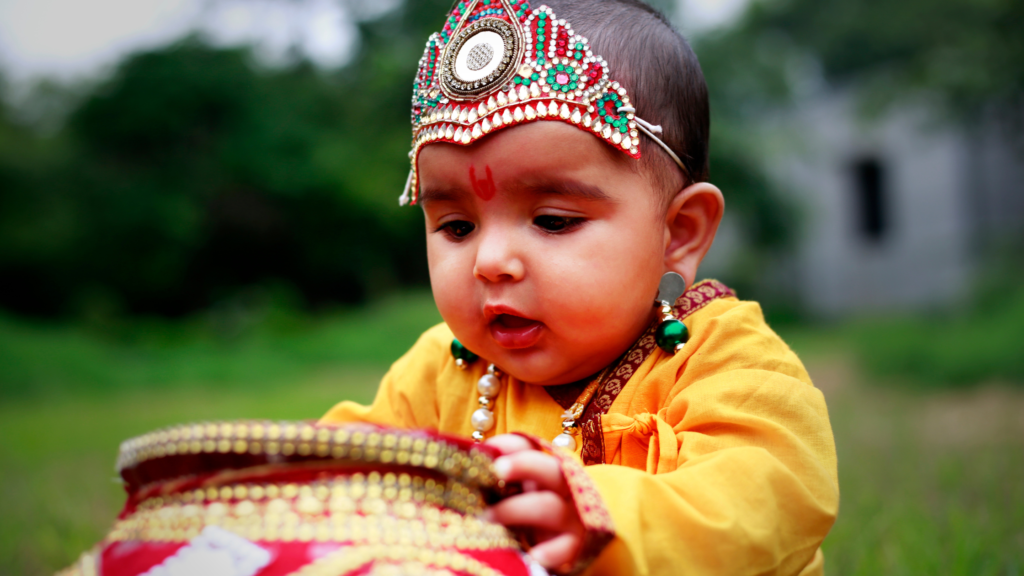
(656, 425)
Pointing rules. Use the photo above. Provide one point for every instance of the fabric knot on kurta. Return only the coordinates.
(645, 441)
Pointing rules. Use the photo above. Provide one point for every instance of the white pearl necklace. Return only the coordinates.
(489, 386)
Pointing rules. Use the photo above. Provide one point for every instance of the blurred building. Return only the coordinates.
(899, 208)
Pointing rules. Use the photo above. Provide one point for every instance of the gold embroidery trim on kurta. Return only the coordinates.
(593, 452)
(597, 521)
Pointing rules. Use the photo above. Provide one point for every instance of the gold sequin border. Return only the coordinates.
(306, 439)
(391, 509)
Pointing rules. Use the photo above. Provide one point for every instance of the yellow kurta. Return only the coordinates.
(719, 459)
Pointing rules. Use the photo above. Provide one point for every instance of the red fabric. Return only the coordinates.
(134, 558)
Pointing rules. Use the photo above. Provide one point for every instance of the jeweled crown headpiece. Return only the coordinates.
(497, 63)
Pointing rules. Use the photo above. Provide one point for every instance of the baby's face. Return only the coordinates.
(545, 249)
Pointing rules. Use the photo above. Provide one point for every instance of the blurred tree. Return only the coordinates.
(969, 53)
(205, 175)
(193, 173)
(36, 224)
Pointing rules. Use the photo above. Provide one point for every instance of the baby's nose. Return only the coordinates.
(497, 259)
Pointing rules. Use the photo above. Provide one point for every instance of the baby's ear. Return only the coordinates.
(690, 227)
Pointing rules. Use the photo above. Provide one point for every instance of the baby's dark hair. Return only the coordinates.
(660, 72)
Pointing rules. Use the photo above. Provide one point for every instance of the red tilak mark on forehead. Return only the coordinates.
(484, 188)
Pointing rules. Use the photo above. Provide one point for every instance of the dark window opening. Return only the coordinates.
(871, 201)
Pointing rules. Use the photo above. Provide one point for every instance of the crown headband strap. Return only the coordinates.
(650, 130)
(499, 63)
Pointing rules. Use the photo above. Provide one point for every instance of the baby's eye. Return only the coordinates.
(557, 223)
(457, 228)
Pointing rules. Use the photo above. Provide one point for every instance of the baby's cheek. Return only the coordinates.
(451, 285)
(607, 293)
(454, 304)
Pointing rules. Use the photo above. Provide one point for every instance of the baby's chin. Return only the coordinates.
(543, 366)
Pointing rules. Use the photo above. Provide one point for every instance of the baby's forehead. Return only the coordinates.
(539, 156)
(539, 146)
(524, 165)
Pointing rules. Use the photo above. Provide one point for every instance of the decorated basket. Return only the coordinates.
(273, 499)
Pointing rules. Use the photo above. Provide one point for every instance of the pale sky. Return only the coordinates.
(70, 39)
(702, 15)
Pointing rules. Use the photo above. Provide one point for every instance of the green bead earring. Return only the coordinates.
(463, 356)
(671, 334)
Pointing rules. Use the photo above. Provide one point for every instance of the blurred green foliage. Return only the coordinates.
(968, 53)
(193, 174)
(194, 178)
(965, 55)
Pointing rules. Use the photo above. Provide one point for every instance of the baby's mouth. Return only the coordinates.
(515, 332)
(512, 322)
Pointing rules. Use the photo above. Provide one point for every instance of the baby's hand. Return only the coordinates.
(545, 508)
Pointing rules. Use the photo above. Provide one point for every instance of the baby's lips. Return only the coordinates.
(493, 311)
(513, 322)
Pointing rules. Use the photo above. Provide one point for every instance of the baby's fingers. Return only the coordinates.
(510, 443)
(532, 465)
(557, 551)
(534, 509)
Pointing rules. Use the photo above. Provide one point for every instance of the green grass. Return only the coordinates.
(981, 344)
(930, 483)
(69, 396)
(930, 480)
(57, 490)
(985, 344)
(275, 346)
